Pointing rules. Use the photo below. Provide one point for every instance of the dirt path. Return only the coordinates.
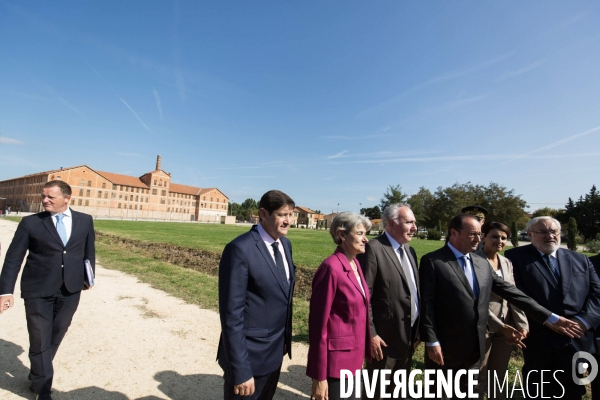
(129, 341)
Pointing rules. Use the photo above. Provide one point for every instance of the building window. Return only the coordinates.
(211, 206)
(106, 195)
(100, 194)
(136, 206)
(89, 183)
(155, 181)
(121, 188)
(163, 192)
(79, 202)
(87, 202)
(136, 198)
(114, 187)
(82, 182)
(146, 199)
(154, 191)
(87, 193)
(120, 196)
(162, 201)
(81, 192)
(112, 195)
(130, 206)
(131, 197)
(119, 205)
(141, 206)
(103, 185)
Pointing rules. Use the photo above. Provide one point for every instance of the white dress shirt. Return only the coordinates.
(268, 242)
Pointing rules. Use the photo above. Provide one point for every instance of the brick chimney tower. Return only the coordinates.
(158, 159)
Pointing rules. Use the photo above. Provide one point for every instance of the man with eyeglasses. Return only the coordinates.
(566, 283)
(455, 293)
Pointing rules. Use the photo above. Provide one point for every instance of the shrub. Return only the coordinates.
(572, 234)
(434, 234)
(292, 225)
(593, 246)
(422, 235)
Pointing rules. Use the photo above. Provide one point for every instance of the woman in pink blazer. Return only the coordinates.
(338, 324)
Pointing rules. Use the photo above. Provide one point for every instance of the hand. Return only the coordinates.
(320, 390)
(6, 302)
(514, 336)
(376, 350)
(524, 332)
(417, 341)
(435, 354)
(566, 327)
(244, 389)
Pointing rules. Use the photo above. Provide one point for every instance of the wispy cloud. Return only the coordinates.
(435, 80)
(551, 145)
(574, 19)
(338, 155)
(372, 198)
(137, 116)
(512, 74)
(7, 140)
(343, 137)
(157, 98)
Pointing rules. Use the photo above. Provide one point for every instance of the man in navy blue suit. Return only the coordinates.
(58, 240)
(566, 283)
(256, 283)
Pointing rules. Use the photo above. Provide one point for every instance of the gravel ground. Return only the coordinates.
(129, 341)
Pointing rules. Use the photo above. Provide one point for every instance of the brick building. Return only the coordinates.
(110, 195)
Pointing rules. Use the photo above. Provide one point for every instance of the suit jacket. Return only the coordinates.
(338, 324)
(390, 295)
(255, 308)
(578, 295)
(451, 313)
(50, 263)
(595, 261)
(501, 311)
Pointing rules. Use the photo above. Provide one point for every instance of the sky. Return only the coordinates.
(328, 101)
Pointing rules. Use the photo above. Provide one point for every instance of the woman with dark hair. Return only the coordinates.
(338, 324)
(503, 318)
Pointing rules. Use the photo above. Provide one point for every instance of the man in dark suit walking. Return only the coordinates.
(58, 240)
(566, 283)
(256, 283)
(389, 266)
(455, 293)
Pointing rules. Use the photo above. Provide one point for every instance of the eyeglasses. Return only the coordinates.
(553, 232)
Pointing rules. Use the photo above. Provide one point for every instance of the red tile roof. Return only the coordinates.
(126, 180)
(185, 189)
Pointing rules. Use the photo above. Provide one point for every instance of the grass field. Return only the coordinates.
(310, 247)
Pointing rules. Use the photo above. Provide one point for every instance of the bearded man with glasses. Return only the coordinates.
(566, 283)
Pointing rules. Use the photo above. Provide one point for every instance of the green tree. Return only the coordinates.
(586, 212)
(248, 208)
(514, 234)
(572, 234)
(546, 211)
(421, 204)
(392, 195)
(371, 212)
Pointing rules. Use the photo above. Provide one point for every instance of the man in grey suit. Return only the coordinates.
(389, 265)
(455, 292)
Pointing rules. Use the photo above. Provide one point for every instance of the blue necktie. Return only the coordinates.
(60, 227)
(552, 266)
(279, 263)
(470, 276)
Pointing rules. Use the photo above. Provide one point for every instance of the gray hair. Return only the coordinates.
(391, 213)
(535, 220)
(346, 222)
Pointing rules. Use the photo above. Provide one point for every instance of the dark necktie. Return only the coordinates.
(279, 263)
(552, 266)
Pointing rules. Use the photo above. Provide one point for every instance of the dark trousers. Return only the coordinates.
(264, 388)
(471, 362)
(334, 389)
(48, 319)
(551, 359)
(390, 363)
